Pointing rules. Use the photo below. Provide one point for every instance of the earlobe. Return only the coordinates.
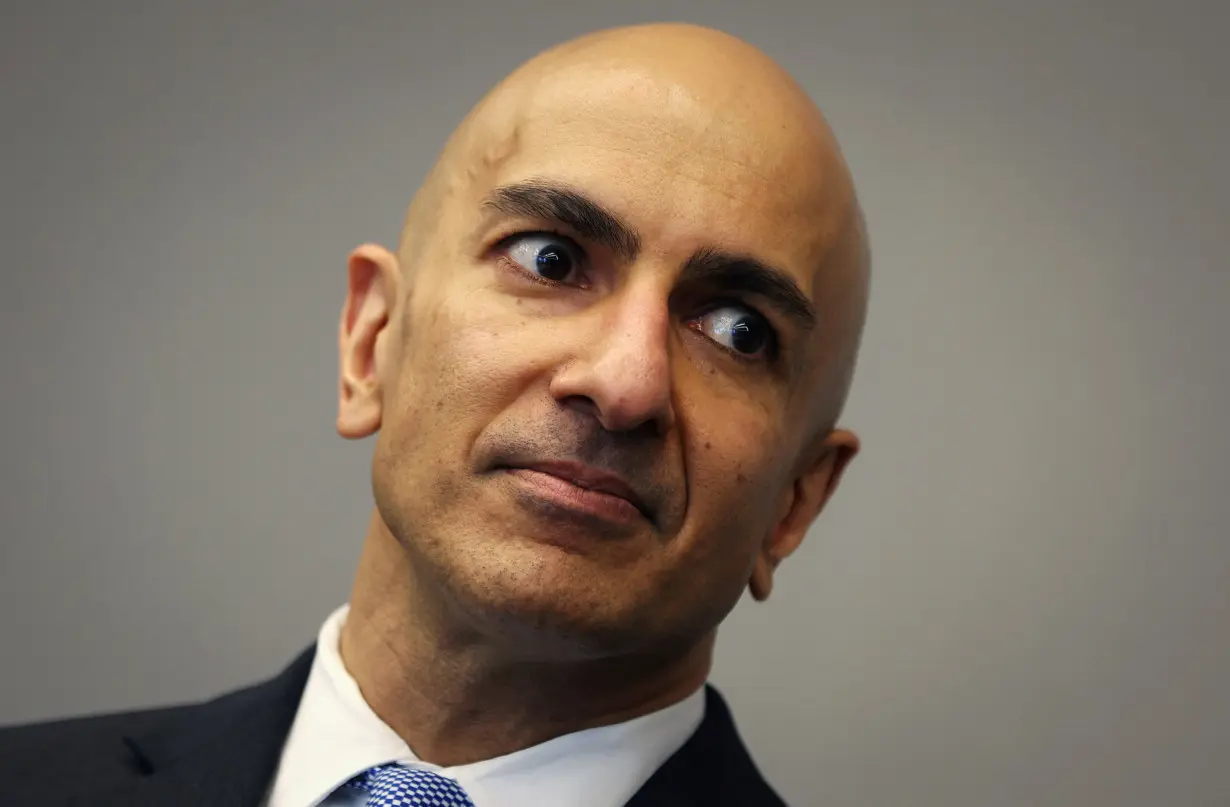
(800, 507)
(761, 583)
(371, 283)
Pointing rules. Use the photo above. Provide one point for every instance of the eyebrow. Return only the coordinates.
(551, 202)
(744, 273)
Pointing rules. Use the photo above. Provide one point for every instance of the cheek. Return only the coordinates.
(735, 472)
(734, 476)
(463, 359)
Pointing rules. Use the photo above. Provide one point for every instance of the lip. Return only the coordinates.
(581, 487)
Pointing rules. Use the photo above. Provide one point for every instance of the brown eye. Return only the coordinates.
(546, 256)
(737, 329)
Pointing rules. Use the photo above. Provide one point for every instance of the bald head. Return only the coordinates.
(702, 105)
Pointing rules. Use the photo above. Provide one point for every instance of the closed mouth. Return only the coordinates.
(589, 479)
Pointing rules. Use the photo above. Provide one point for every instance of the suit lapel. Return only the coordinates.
(221, 752)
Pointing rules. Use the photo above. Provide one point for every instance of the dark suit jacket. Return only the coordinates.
(223, 753)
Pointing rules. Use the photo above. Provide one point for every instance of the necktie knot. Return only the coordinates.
(399, 786)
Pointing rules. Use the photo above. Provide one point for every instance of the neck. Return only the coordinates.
(456, 697)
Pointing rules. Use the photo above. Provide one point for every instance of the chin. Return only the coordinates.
(550, 601)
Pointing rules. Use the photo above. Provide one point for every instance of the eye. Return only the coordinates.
(547, 256)
(737, 329)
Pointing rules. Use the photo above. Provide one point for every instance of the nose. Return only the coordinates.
(623, 375)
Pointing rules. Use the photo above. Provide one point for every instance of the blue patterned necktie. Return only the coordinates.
(399, 786)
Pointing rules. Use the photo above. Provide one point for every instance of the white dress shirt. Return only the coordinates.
(336, 736)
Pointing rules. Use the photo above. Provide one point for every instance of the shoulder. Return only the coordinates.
(32, 740)
(236, 733)
(92, 746)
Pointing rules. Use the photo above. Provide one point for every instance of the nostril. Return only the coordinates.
(583, 404)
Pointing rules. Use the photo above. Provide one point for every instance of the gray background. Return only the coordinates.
(1021, 596)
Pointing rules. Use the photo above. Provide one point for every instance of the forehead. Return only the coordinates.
(685, 166)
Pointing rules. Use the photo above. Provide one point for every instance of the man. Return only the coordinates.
(604, 367)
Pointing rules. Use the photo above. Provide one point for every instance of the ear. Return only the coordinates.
(371, 286)
(800, 505)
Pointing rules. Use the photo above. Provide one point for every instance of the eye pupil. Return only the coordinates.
(553, 263)
(746, 338)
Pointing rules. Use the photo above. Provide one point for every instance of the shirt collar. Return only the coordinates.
(336, 736)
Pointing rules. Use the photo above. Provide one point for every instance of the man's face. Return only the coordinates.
(602, 372)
